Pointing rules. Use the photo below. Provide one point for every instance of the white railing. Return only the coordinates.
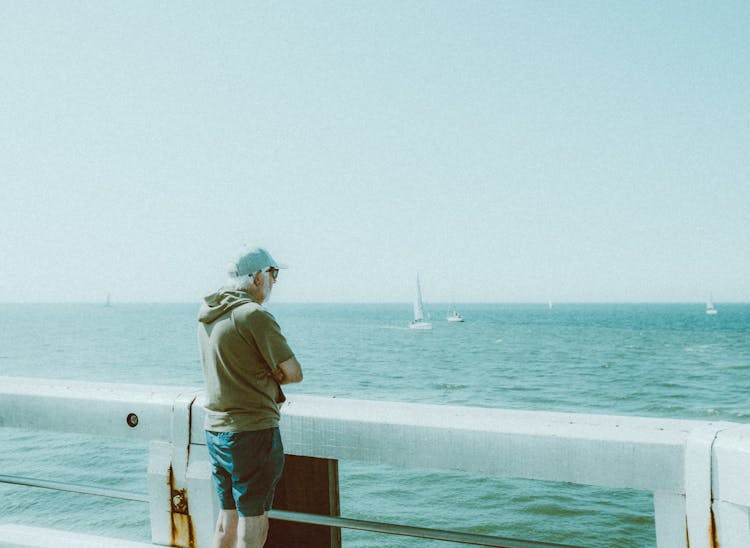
(699, 472)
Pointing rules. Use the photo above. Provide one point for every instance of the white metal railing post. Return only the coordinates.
(698, 512)
(181, 513)
(160, 456)
(731, 486)
(204, 505)
(669, 518)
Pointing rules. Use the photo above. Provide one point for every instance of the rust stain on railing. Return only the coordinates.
(182, 532)
(713, 539)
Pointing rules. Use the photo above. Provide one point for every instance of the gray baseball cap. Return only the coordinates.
(252, 260)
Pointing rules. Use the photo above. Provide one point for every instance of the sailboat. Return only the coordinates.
(419, 322)
(710, 309)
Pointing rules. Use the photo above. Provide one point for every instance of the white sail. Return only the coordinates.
(419, 321)
(418, 307)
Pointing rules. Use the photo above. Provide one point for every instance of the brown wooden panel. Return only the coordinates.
(309, 485)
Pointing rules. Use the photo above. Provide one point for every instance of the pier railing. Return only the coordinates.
(698, 472)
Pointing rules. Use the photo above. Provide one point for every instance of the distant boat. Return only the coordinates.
(108, 302)
(710, 309)
(454, 316)
(419, 322)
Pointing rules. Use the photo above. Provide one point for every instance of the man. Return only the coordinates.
(245, 359)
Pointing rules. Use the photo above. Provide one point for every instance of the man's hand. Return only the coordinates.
(288, 372)
(278, 375)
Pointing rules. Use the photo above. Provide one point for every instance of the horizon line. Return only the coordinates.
(431, 303)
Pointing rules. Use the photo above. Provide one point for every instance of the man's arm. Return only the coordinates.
(289, 371)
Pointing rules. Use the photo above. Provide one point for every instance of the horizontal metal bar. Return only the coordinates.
(313, 519)
(84, 489)
(408, 531)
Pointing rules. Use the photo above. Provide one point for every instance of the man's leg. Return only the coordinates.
(225, 535)
(252, 531)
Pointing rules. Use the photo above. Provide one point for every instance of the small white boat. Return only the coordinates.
(710, 309)
(454, 316)
(419, 322)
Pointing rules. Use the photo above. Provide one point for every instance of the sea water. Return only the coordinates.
(655, 360)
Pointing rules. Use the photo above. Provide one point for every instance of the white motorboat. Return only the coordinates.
(454, 316)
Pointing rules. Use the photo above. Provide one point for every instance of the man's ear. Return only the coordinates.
(258, 279)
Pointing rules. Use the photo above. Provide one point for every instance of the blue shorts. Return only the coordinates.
(246, 468)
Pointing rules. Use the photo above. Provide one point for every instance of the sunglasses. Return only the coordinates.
(274, 272)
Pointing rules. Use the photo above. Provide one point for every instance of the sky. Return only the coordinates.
(504, 151)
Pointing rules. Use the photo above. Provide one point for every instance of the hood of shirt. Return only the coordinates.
(219, 303)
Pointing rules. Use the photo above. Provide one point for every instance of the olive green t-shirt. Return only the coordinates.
(241, 344)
